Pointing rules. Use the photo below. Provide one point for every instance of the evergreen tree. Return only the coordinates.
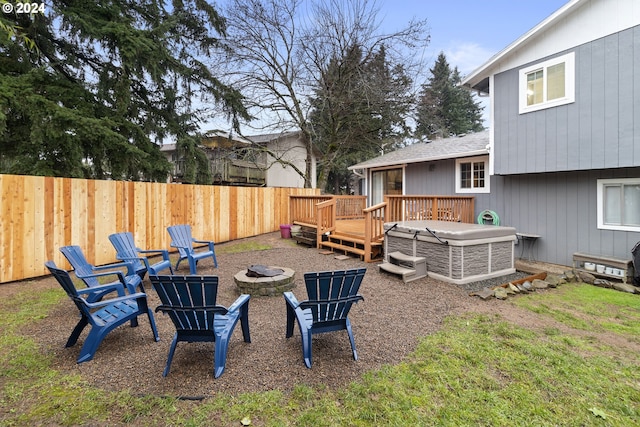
(105, 84)
(444, 107)
(360, 109)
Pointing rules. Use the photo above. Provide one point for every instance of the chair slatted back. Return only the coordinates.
(190, 301)
(332, 293)
(126, 248)
(66, 283)
(181, 238)
(81, 266)
(63, 279)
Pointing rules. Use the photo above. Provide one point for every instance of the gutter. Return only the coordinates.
(426, 159)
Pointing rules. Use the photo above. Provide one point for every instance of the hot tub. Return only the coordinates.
(456, 252)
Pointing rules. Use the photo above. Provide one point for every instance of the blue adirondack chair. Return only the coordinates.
(190, 302)
(182, 240)
(89, 273)
(331, 295)
(103, 316)
(126, 250)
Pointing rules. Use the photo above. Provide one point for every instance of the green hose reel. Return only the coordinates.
(488, 217)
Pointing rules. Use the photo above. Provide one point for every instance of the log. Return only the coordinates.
(540, 276)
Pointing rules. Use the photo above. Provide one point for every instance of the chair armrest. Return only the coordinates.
(201, 241)
(242, 300)
(291, 299)
(130, 268)
(106, 273)
(103, 303)
(126, 258)
(209, 243)
(118, 287)
(164, 252)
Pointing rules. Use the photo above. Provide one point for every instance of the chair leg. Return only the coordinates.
(172, 349)
(73, 338)
(91, 344)
(220, 355)
(244, 322)
(291, 320)
(353, 343)
(152, 322)
(306, 347)
(193, 266)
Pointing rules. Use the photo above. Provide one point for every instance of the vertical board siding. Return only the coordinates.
(601, 129)
(561, 207)
(40, 214)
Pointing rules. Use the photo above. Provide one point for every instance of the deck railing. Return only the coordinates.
(303, 209)
(322, 212)
(374, 227)
(350, 207)
(441, 208)
(326, 218)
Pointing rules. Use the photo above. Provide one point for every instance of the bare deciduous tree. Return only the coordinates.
(279, 51)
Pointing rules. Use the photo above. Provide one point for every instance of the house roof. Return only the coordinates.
(268, 137)
(472, 144)
(479, 78)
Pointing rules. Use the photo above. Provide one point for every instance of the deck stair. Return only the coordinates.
(409, 267)
(347, 243)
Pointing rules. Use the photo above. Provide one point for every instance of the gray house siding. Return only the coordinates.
(561, 207)
(601, 129)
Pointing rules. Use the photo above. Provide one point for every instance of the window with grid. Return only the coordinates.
(471, 175)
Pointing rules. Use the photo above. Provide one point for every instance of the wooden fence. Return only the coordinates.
(40, 214)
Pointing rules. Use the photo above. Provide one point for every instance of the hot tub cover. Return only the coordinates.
(452, 230)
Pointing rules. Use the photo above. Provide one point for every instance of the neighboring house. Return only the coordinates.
(564, 139)
(285, 158)
(232, 160)
(271, 160)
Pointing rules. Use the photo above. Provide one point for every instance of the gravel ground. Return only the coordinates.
(387, 326)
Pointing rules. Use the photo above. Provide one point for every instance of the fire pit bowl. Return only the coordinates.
(261, 280)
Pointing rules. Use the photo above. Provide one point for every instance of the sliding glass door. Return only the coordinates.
(385, 182)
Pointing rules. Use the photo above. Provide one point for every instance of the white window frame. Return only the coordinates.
(601, 203)
(487, 180)
(569, 84)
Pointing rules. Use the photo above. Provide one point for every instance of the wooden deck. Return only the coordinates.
(351, 227)
(344, 223)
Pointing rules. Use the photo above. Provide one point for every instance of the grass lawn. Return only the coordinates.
(479, 370)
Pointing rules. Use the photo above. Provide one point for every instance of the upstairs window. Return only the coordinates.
(548, 84)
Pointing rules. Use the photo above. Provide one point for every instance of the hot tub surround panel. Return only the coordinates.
(473, 251)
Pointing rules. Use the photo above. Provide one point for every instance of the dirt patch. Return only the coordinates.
(386, 326)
